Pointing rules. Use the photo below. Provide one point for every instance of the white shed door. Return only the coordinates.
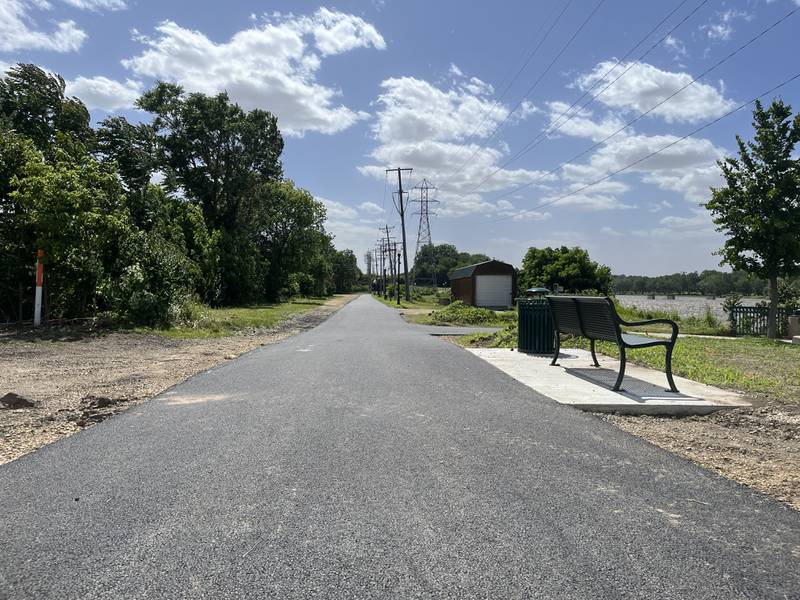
(493, 290)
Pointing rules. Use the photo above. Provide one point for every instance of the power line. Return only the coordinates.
(653, 153)
(547, 70)
(557, 125)
(652, 108)
(514, 79)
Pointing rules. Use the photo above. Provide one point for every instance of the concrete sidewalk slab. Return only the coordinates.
(574, 381)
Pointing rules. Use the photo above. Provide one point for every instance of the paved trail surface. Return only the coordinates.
(365, 459)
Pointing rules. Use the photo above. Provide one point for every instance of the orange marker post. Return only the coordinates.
(37, 306)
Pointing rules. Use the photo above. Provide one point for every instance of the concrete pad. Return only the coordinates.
(445, 330)
(574, 381)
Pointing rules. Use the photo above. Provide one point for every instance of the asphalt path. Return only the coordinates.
(366, 459)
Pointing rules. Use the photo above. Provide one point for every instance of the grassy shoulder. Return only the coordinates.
(220, 322)
(766, 369)
(423, 302)
(460, 314)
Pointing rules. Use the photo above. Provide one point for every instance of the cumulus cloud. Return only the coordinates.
(644, 86)
(580, 122)
(337, 210)
(103, 93)
(441, 132)
(271, 66)
(370, 208)
(18, 29)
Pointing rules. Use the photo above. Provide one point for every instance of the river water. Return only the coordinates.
(686, 306)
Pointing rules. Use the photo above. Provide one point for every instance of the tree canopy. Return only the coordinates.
(571, 268)
(443, 259)
(137, 220)
(758, 208)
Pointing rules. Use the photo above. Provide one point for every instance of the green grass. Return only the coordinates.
(769, 370)
(220, 322)
(426, 301)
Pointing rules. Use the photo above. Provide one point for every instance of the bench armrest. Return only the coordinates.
(672, 324)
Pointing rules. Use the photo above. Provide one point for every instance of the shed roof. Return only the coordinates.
(468, 271)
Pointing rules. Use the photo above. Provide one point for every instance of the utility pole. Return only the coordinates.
(398, 273)
(424, 232)
(400, 205)
(387, 251)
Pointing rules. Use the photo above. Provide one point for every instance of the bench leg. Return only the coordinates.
(621, 369)
(671, 381)
(594, 356)
(558, 349)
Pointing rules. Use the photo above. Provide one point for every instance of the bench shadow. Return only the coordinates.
(635, 389)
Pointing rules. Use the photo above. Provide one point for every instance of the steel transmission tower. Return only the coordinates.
(424, 233)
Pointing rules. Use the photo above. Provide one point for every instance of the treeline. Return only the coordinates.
(441, 260)
(709, 283)
(140, 220)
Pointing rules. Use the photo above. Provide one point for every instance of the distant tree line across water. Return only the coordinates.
(708, 283)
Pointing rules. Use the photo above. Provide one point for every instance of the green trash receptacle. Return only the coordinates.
(535, 334)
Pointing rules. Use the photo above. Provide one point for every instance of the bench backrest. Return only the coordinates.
(599, 319)
(565, 314)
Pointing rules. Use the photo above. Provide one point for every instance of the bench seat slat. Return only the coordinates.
(639, 340)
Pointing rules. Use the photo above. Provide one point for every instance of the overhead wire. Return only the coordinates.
(533, 53)
(596, 145)
(558, 124)
(651, 154)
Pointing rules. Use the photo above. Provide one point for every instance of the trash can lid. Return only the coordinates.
(537, 290)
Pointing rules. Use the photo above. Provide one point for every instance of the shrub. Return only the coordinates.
(460, 313)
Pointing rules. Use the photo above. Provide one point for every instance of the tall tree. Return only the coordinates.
(759, 207)
(33, 104)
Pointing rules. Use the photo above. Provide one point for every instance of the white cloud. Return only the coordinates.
(18, 30)
(370, 208)
(104, 93)
(696, 226)
(580, 123)
(337, 210)
(96, 5)
(272, 66)
(335, 32)
(676, 46)
(432, 130)
(644, 86)
(722, 29)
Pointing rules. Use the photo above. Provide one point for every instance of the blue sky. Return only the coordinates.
(361, 86)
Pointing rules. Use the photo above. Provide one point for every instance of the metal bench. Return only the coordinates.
(595, 318)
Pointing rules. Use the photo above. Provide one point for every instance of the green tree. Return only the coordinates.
(345, 271)
(33, 104)
(292, 239)
(222, 158)
(571, 268)
(445, 258)
(758, 209)
(74, 210)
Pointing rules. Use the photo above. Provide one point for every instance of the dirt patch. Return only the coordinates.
(759, 447)
(78, 380)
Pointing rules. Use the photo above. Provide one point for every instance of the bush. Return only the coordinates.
(460, 313)
(151, 289)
